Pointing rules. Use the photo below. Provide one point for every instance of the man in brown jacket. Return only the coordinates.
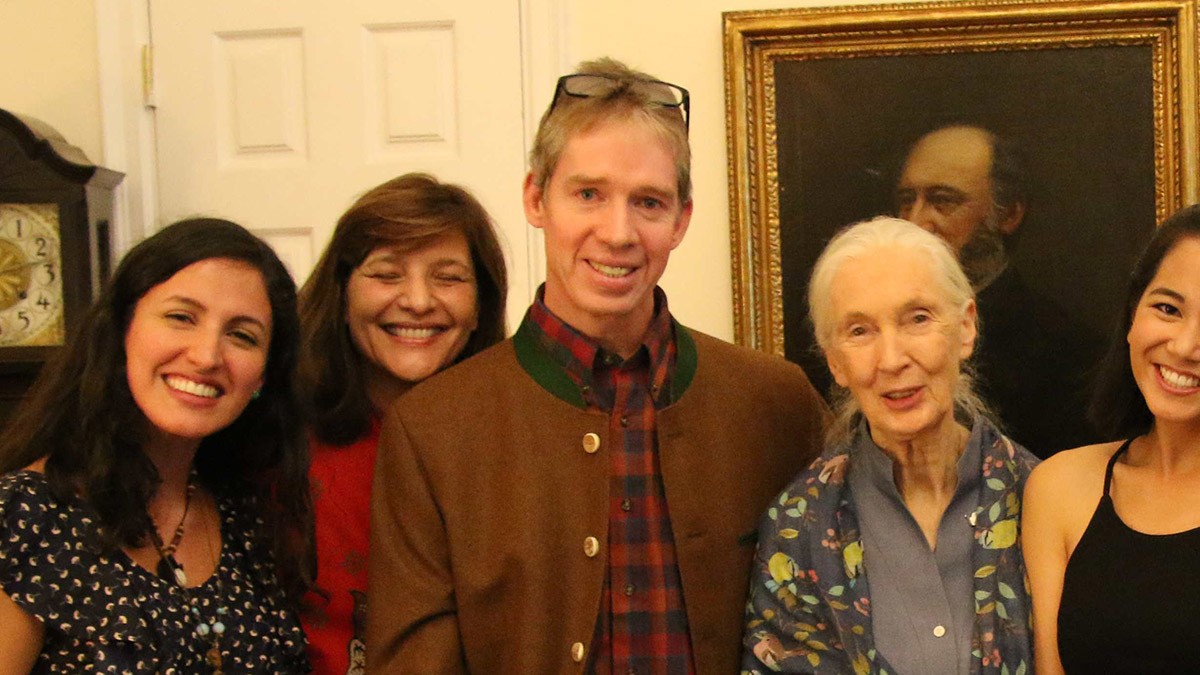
(584, 496)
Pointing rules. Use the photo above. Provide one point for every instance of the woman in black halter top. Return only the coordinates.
(1112, 531)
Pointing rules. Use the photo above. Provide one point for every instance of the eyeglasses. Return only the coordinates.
(656, 92)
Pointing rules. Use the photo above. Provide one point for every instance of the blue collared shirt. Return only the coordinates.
(922, 601)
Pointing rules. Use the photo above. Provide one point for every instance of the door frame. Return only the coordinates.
(127, 114)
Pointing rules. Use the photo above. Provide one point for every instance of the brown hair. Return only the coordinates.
(570, 115)
(409, 211)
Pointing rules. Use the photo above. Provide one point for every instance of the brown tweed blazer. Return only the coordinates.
(484, 497)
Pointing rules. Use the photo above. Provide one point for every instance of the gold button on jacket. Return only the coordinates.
(591, 443)
(591, 547)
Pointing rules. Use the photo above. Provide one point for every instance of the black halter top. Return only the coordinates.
(1130, 601)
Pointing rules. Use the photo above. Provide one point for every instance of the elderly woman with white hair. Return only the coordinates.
(917, 487)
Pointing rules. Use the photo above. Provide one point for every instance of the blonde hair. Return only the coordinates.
(571, 115)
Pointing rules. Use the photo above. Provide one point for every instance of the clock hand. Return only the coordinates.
(14, 268)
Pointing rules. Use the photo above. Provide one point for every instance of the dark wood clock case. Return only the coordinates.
(37, 166)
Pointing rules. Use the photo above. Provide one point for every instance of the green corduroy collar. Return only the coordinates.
(551, 376)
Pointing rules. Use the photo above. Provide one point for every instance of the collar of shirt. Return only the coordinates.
(584, 359)
(869, 458)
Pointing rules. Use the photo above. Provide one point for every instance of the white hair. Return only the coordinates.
(885, 232)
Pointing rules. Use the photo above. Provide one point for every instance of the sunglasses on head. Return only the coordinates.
(657, 92)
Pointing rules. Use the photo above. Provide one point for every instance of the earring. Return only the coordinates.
(256, 394)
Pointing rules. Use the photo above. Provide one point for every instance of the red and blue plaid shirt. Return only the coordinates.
(643, 625)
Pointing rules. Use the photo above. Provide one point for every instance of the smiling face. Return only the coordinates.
(1164, 338)
(897, 343)
(611, 216)
(410, 313)
(196, 349)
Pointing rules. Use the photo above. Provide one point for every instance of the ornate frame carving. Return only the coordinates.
(756, 41)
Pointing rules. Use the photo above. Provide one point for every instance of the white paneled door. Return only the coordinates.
(278, 114)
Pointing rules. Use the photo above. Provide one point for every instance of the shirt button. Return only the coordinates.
(628, 589)
(591, 443)
(578, 652)
(626, 504)
(624, 421)
(591, 547)
(611, 359)
(939, 631)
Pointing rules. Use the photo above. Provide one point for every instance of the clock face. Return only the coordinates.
(31, 294)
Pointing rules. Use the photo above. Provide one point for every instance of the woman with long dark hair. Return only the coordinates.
(154, 506)
(1112, 531)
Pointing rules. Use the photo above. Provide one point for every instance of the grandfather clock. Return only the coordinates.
(55, 210)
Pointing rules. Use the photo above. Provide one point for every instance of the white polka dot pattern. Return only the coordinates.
(105, 614)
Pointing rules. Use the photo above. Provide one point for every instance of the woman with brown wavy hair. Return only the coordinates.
(412, 282)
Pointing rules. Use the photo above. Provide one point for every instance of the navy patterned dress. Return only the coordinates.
(104, 613)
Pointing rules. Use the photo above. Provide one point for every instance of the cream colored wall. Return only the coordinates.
(55, 41)
(50, 71)
(681, 42)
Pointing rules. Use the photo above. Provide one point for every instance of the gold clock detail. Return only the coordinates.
(31, 293)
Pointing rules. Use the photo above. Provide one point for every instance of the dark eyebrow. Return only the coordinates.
(242, 318)
(385, 257)
(186, 301)
(395, 258)
(936, 187)
(443, 263)
(947, 189)
(1163, 290)
(251, 320)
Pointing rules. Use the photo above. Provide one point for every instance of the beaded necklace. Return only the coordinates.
(170, 569)
(165, 569)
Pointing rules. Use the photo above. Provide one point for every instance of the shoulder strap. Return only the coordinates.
(1113, 460)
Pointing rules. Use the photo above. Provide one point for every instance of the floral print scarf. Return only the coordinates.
(810, 609)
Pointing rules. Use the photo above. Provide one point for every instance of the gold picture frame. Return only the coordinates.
(1102, 97)
(757, 41)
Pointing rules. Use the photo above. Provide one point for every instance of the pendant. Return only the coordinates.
(164, 571)
(168, 569)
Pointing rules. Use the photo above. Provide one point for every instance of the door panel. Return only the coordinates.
(277, 115)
